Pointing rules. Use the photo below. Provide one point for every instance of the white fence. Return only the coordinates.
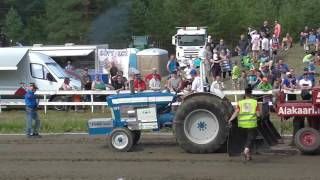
(46, 94)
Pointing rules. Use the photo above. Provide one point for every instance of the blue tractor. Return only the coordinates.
(200, 122)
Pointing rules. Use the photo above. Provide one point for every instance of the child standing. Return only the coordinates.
(235, 74)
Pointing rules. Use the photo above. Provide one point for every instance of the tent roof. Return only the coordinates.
(10, 57)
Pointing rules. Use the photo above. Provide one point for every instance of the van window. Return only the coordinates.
(37, 71)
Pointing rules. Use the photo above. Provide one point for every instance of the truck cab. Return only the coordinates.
(190, 42)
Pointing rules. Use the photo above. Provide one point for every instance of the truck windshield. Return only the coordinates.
(191, 40)
(57, 70)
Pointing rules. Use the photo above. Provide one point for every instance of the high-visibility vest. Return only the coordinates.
(247, 116)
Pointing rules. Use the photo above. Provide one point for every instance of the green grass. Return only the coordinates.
(13, 121)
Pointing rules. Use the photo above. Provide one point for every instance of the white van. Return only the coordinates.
(19, 65)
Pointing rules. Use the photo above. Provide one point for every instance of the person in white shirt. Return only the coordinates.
(187, 71)
(264, 43)
(154, 83)
(197, 84)
(217, 86)
(305, 85)
(255, 42)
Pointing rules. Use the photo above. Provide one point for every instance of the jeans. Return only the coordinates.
(32, 115)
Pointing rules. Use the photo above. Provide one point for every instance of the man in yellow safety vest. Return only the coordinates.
(247, 111)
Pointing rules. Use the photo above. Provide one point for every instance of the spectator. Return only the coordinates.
(305, 85)
(197, 83)
(311, 41)
(119, 81)
(139, 84)
(197, 62)
(187, 71)
(97, 84)
(310, 76)
(252, 78)
(264, 85)
(31, 112)
(217, 87)
(208, 58)
(318, 40)
(264, 59)
(304, 35)
(69, 66)
(210, 43)
(174, 83)
(265, 43)
(274, 45)
(287, 42)
(66, 85)
(289, 83)
(221, 46)
(255, 42)
(309, 57)
(236, 74)
(172, 64)
(148, 77)
(277, 29)
(277, 83)
(242, 82)
(243, 46)
(265, 29)
(154, 83)
(85, 80)
(283, 67)
(225, 64)
(113, 72)
(276, 73)
(215, 65)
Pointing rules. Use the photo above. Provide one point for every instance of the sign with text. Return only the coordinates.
(119, 56)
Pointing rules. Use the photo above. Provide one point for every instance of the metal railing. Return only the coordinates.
(46, 95)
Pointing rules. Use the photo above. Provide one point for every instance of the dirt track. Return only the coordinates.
(156, 157)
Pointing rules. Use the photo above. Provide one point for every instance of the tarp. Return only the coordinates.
(69, 52)
(10, 57)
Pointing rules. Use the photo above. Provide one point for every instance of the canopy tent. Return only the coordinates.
(10, 57)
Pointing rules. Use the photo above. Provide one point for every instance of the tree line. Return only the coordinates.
(61, 21)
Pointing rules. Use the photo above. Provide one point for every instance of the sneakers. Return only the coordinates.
(34, 135)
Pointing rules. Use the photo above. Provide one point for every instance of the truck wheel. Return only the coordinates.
(201, 124)
(121, 140)
(307, 140)
(58, 99)
(136, 136)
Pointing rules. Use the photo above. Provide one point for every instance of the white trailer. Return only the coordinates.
(190, 42)
(20, 65)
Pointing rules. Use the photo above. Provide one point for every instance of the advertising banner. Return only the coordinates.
(120, 57)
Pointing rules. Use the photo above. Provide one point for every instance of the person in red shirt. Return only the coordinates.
(277, 29)
(139, 84)
(148, 77)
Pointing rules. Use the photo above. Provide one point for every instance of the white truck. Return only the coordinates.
(190, 42)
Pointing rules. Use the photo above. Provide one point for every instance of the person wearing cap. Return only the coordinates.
(247, 112)
(197, 83)
(139, 84)
(31, 111)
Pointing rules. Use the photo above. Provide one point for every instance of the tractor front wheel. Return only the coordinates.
(121, 140)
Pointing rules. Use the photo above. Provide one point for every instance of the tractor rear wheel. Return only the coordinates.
(201, 123)
(307, 140)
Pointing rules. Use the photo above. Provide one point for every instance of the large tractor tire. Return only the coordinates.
(201, 123)
(307, 140)
(58, 99)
